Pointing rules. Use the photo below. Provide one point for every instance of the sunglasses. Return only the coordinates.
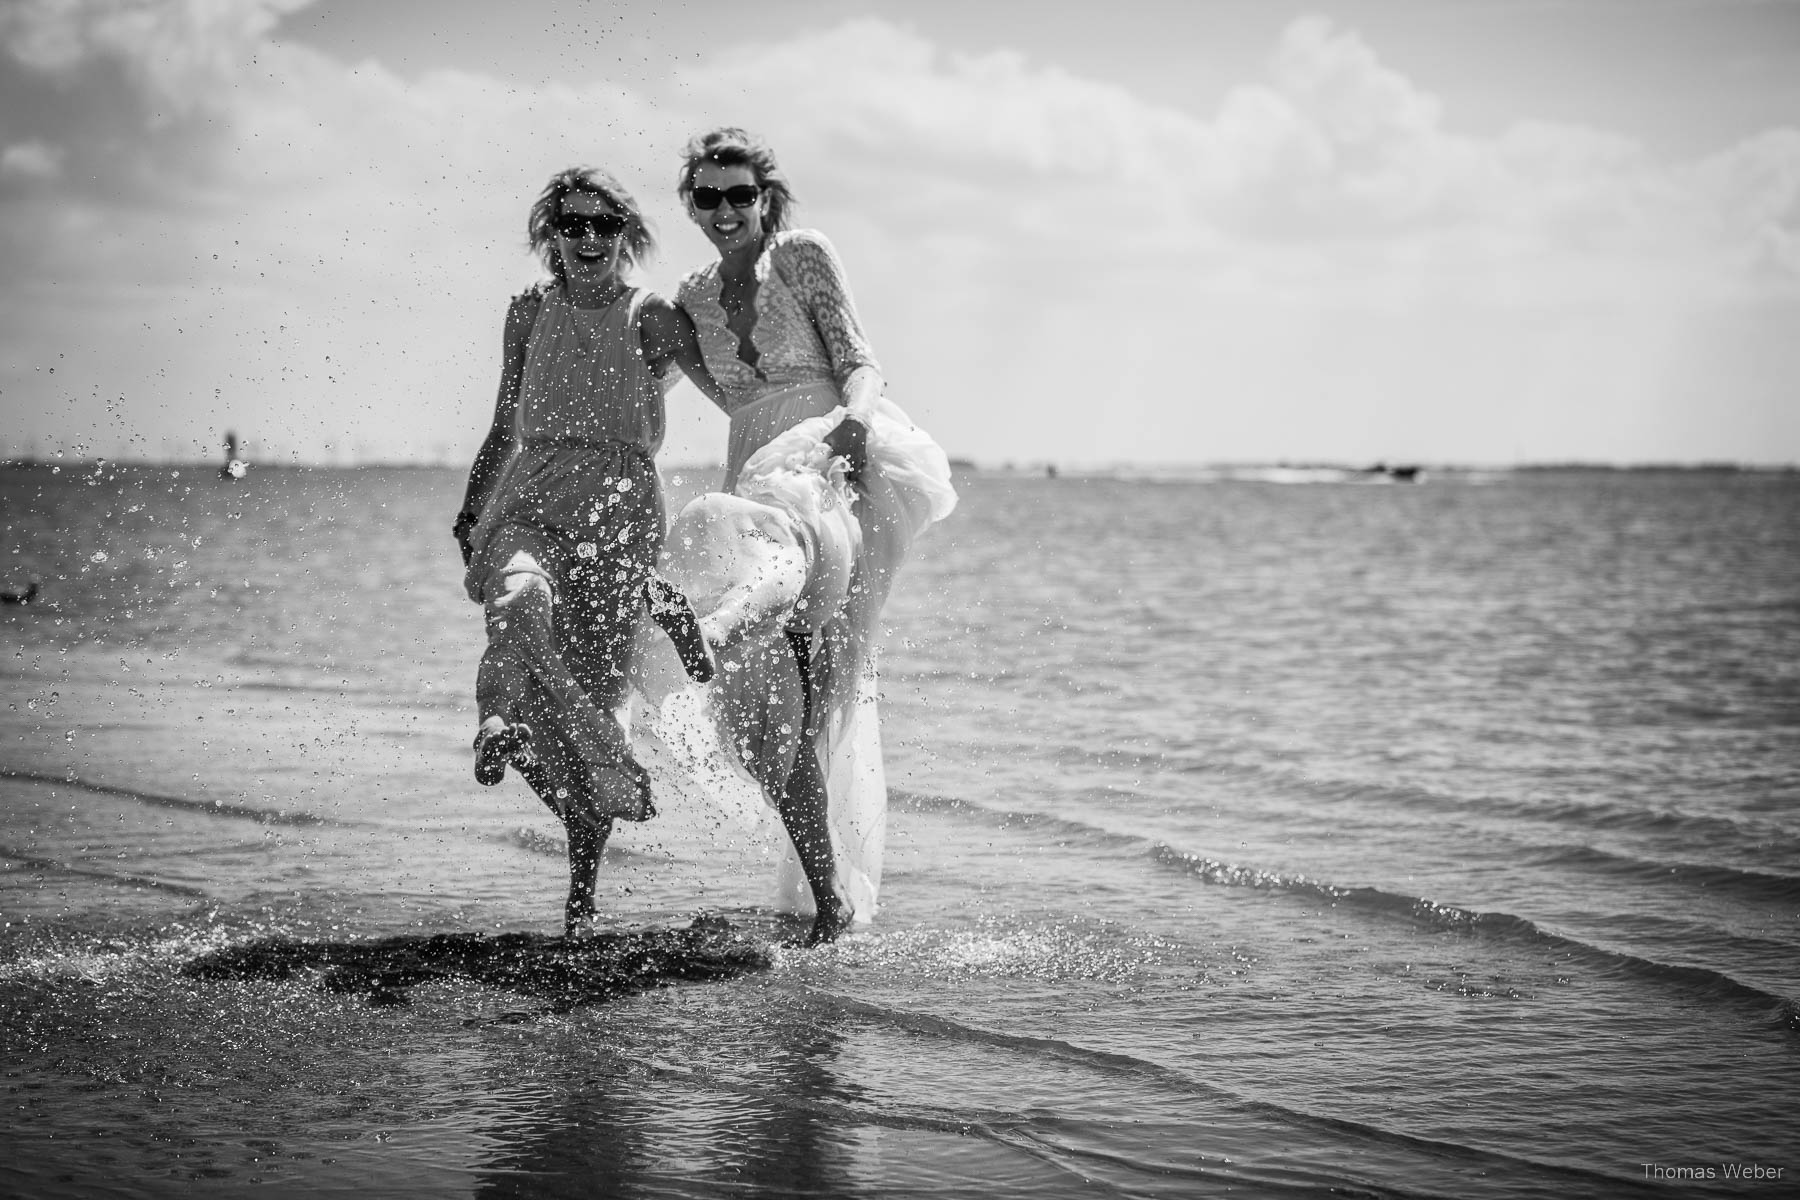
(742, 196)
(575, 226)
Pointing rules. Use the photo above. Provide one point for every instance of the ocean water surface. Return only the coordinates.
(1255, 837)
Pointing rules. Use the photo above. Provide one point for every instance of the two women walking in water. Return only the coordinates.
(782, 573)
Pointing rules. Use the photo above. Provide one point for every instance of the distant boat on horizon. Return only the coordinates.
(1381, 472)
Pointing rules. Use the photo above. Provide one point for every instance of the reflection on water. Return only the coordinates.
(659, 1128)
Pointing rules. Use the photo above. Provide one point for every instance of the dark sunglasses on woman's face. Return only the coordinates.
(742, 196)
(606, 226)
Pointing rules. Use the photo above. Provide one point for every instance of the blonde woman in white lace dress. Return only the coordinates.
(780, 335)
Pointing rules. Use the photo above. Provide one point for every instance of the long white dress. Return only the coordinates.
(783, 396)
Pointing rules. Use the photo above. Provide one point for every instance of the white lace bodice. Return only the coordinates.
(805, 328)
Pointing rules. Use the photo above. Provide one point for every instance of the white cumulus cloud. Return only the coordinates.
(329, 244)
(31, 159)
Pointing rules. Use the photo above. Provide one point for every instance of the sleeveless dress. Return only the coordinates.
(783, 395)
(590, 417)
(579, 504)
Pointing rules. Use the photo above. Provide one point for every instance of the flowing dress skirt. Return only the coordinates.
(776, 458)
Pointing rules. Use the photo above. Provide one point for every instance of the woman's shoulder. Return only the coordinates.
(529, 300)
(808, 263)
(807, 258)
(801, 243)
(697, 281)
(522, 309)
(649, 300)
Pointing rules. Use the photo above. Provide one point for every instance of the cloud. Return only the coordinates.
(179, 52)
(1332, 146)
(263, 236)
(318, 251)
(32, 160)
(1750, 194)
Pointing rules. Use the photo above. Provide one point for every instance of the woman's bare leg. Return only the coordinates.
(586, 842)
(524, 668)
(763, 697)
(803, 806)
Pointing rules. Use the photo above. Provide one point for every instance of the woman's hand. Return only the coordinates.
(850, 441)
(465, 523)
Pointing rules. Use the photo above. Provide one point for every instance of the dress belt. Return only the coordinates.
(581, 443)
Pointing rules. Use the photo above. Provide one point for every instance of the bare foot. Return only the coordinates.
(670, 609)
(832, 923)
(496, 745)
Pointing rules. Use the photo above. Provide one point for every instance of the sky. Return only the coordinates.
(1482, 232)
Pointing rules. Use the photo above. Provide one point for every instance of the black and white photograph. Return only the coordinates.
(900, 599)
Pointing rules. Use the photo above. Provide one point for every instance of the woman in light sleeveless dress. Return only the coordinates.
(563, 516)
(780, 336)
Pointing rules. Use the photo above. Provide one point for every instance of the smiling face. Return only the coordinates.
(728, 227)
(592, 257)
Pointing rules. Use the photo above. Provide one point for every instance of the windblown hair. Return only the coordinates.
(730, 146)
(638, 240)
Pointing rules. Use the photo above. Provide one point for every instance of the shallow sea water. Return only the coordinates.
(1247, 838)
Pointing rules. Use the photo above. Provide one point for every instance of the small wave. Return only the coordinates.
(1048, 952)
(1760, 885)
(98, 960)
(217, 808)
(534, 841)
(113, 877)
(1449, 918)
(363, 691)
(1703, 982)
(1669, 820)
(1770, 837)
(550, 845)
(1132, 1067)
(1093, 835)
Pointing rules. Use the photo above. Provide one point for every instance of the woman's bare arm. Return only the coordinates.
(497, 448)
(667, 335)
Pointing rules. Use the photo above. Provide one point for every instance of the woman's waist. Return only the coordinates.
(595, 424)
(801, 397)
(574, 410)
(546, 442)
(567, 485)
(577, 466)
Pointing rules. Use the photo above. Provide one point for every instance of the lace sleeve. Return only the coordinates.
(816, 276)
